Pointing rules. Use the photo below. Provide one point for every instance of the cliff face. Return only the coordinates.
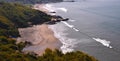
(32, 1)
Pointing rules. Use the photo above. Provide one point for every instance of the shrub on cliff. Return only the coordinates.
(57, 55)
(13, 16)
(10, 51)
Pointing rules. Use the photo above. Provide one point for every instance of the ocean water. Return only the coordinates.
(94, 27)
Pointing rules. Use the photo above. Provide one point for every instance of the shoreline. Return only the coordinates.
(52, 11)
(40, 37)
(40, 7)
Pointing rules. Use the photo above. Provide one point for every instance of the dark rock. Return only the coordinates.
(65, 19)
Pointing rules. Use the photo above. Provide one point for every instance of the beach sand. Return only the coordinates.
(41, 38)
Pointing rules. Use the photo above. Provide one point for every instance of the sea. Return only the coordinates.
(93, 27)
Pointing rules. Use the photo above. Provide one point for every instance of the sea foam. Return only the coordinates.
(72, 20)
(68, 43)
(103, 42)
(67, 24)
(70, 26)
(51, 8)
(62, 9)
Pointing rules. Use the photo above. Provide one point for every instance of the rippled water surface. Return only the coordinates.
(94, 27)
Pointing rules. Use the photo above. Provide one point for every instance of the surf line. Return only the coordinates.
(102, 41)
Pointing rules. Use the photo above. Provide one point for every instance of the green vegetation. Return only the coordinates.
(13, 16)
(10, 51)
(57, 55)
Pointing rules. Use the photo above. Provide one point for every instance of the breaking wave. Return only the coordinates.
(72, 20)
(70, 26)
(103, 42)
(68, 43)
(67, 24)
(59, 33)
(51, 8)
(63, 9)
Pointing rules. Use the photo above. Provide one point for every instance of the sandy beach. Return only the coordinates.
(40, 36)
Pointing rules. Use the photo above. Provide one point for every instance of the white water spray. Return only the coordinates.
(103, 42)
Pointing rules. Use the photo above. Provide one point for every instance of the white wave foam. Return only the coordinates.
(76, 29)
(63, 9)
(72, 20)
(103, 42)
(71, 26)
(68, 43)
(65, 49)
(67, 24)
(51, 8)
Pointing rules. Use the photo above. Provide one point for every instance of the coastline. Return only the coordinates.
(39, 36)
(40, 7)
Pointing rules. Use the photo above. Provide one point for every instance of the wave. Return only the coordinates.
(72, 20)
(70, 26)
(67, 24)
(51, 8)
(103, 42)
(62, 9)
(68, 43)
